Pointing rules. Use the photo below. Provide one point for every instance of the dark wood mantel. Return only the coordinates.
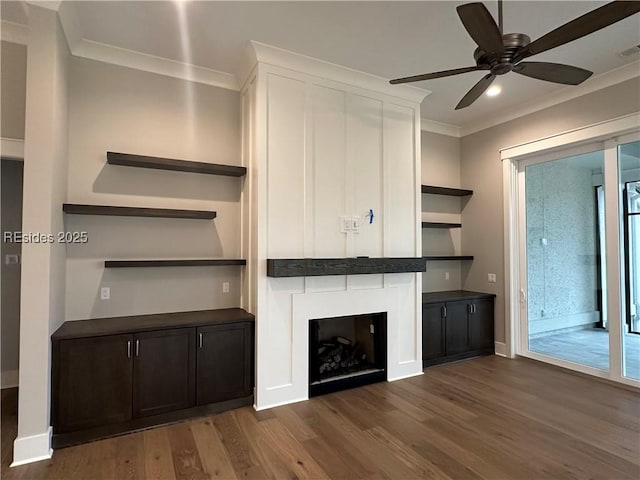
(314, 267)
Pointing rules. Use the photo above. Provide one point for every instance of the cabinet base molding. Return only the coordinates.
(62, 440)
(455, 358)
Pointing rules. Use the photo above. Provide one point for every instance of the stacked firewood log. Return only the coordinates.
(339, 355)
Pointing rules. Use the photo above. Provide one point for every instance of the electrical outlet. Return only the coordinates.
(105, 293)
(225, 287)
(446, 275)
(491, 277)
(11, 259)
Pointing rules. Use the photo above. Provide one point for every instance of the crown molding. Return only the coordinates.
(14, 32)
(151, 63)
(70, 24)
(604, 80)
(12, 148)
(279, 57)
(440, 128)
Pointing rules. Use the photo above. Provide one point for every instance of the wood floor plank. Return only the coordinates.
(215, 460)
(129, 456)
(413, 411)
(186, 458)
(294, 454)
(266, 454)
(237, 447)
(335, 441)
(421, 467)
(595, 431)
(488, 418)
(158, 461)
(327, 457)
(294, 424)
(375, 452)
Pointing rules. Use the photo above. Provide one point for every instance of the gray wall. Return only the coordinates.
(441, 167)
(481, 170)
(561, 270)
(118, 109)
(13, 89)
(11, 216)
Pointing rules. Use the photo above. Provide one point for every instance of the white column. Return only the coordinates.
(43, 264)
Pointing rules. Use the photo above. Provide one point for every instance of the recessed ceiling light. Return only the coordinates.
(493, 91)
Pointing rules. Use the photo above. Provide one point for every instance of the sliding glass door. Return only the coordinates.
(579, 237)
(564, 275)
(629, 182)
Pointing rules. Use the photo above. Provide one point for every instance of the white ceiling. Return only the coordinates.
(388, 39)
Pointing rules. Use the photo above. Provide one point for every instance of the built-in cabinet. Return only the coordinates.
(121, 374)
(455, 325)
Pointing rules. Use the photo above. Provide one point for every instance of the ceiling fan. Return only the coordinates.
(501, 53)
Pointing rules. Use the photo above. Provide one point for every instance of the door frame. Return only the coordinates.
(548, 148)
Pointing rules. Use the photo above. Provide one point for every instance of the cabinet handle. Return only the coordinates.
(469, 308)
(200, 339)
(137, 348)
(128, 348)
(444, 312)
(474, 308)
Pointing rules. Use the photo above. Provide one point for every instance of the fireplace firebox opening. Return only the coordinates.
(347, 352)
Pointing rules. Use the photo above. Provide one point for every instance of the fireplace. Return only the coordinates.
(347, 352)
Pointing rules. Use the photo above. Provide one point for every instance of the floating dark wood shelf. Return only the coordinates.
(454, 192)
(440, 225)
(78, 209)
(143, 161)
(430, 258)
(313, 267)
(212, 262)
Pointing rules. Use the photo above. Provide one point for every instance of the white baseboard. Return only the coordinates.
(32, 449)
(500, 349)
(9, 379)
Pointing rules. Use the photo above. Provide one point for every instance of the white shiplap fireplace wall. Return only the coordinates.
(320, 142)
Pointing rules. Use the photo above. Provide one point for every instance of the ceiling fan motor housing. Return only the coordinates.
(501, 64)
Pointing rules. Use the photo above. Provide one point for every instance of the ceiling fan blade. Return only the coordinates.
(553, 72)
(588, 23)
(430, 76)
(481, 27)
(477, 90)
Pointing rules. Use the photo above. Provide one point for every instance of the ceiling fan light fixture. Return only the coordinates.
(494, 90)
(501, 53)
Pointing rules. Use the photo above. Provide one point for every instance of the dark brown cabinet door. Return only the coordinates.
(224, 362)
(164, 371)
(481, 324)
(92, 382)
(432, 330)
(457, 328)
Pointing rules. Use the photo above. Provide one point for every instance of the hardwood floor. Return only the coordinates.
(485, 418)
